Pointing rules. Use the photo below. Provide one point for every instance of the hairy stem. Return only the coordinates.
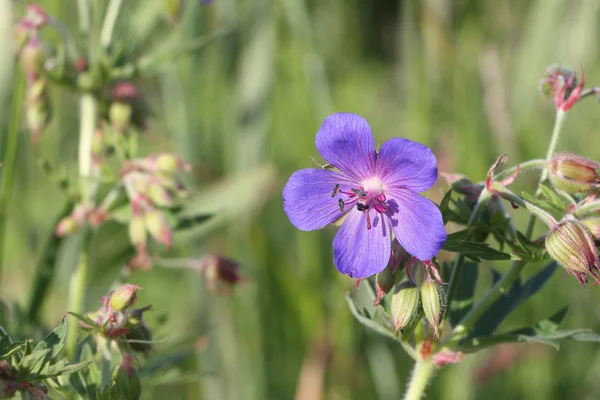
(421, 375)
(10, 155)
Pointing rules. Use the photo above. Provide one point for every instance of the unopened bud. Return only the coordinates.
(33, 56)
(36, 16)
(571, 245)
(555, 78)
(158, 226)
(66, 226)
(140, 337)
(433, 300)
(124, 92)
(127, 379)
(159, 195)
(120, 115)
(219, 272)
(167, 162)
(573, 173)
(137, 231)
(123, 297)
(405, 305)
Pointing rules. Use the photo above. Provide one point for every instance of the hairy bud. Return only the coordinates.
(158, 226)
(433, 300)
(573, 173)
(123, 297)
(571, 245)
(405, 305)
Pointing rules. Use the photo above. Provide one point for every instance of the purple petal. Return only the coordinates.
(402, 163)
(417, 223)
(360, 252)
(307, 199)
(345, 141)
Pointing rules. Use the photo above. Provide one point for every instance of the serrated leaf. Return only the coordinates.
(32, 363)
(62, 367)
(553, 198)
(55, 339)
(84, 319)
(463, 299)
(544, 204)
(476, 251)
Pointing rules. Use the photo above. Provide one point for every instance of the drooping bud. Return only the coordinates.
(405, 305)
(137, 231)
(560, 84)
(123, 297)
(571, 245)
(167, 162)
(433, 300)
(573, 173)
(33, 56)
(158, 226)
(159, 195)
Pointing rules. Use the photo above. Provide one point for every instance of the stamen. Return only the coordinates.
(368, 220)
(341, 204)
(381, 198)
(359, 193)
(361, 207)
(380, 208)
(336, 189)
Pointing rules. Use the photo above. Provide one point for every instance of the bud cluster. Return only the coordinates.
(116, 319)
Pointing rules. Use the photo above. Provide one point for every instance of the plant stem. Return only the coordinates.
(77, 286)
(10, 155)
(516, 266)
(531, 164)
(421, 375)
(110, 19)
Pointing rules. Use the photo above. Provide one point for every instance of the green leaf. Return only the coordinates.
(515, 295)
(529, 251)
(464, 295)
(445, 206)
(544, 204)
(84, 319)
(458, 242)
(366, 319)
(553, 198)
(33, 363)
(55, 339)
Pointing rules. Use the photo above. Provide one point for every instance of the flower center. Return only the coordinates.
(373, 187)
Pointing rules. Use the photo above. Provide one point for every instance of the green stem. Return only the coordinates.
(110, 19)
(421, 375)
(10, 155)
(516, 266)
(527, 165)
(484, 196)
(587, 209)
(77, 287)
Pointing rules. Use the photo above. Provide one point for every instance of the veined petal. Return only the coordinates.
(360, 252)
(308, 201)
(345, 141)
(416, 222)
(402, 163)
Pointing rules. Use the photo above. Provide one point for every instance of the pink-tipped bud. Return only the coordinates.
(36, 16)
(123, 297)
(21, 34)
(434, 301)
(573, 174)
(67, 226)
(159, 195)
(119, 115)
(169, 163)
(137, 231)
(33, 56)
(405, 305)
(158, 227)
(571, 245)
(124, 92)
(127, 378)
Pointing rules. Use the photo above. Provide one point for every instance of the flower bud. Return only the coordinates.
(123, 297)
(137, 231)
(158, 227)
(119, 115)
(124, 92)
(66, 226)
(219, 272)
(33, 56)
(159, 195)
(571, 245)
(573, 174)
(167, 162)
(433, 300)
(140, 337)
(405, 305)
(97, 145)
(127, 379)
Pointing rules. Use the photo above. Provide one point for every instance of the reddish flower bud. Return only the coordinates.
(571, 245)
(124, 92)
(123, 297)
(219, 272)
(593, 226)
(573, 173)
(66, 226)
(36, 16)
(158, 226)
(560, 84)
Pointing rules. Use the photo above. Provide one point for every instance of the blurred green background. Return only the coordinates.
(459, 76)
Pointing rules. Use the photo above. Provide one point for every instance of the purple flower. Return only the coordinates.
(377, 192)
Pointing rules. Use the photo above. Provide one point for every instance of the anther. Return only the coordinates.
(341, 204)
(361, 207)
(335, 190)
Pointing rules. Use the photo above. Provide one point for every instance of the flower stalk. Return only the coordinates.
(421, 375)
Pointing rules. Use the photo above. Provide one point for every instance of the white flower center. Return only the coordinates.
(373, 187)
